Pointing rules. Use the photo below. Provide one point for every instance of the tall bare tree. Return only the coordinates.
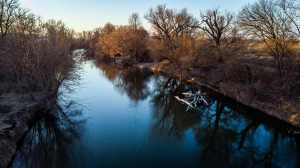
(215, 24)
(10, 12)
(134, 20)
(169, 23)
(175, 31)
(268, 22)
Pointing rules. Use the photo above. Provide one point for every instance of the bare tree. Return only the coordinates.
(134, 20)
(170, 24)
(291, 9)
(10, 12)
(175, 33)
(215, 24)
(268, 22)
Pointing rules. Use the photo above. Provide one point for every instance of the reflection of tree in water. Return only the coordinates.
(171, 117)
(129, 80)
(48, 142)
(228, 138)
(110, 70)
(225, 137)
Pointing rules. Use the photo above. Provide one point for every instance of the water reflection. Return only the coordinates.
(221, 134)
(49, 142)
(171, 117)
(224, 136)
(130, 80)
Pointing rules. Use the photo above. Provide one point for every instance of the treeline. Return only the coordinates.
(34, 55)
(260, 42)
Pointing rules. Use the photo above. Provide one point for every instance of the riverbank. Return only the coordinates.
(263, 98)
(18, 112)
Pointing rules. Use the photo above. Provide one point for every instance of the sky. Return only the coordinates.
(89, 14)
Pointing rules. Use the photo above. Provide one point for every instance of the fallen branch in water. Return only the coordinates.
(184, 101)
(193, 100)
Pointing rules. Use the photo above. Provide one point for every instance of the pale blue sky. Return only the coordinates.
(89, 14)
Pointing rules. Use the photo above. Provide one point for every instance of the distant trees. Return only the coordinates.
(217, 37)
(215, 25)
(134, 20)
(124, 41)
(35, 54)
(269, 22)
(108, 28)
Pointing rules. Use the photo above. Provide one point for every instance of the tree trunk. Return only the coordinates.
(279, 66)
(249, 74)
(219, 53)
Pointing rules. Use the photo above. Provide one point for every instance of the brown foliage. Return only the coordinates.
(124, 41)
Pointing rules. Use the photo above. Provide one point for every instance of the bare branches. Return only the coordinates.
(215, 24)
(134, 20)
(10, 12)
(175, 30)
(268, 21)
(170, 24)
(291, 9)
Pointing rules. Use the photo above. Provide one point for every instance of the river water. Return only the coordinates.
(125, 117)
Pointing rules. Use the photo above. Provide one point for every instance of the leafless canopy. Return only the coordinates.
(10, 12)
(169, 23)
(215, 24)
(134, 20)
(291, 9)
(267, 21)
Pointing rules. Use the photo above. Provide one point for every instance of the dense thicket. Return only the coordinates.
(35, 55)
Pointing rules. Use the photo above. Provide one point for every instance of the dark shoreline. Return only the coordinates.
(20, 121)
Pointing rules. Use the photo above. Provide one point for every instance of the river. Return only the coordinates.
(126, 117)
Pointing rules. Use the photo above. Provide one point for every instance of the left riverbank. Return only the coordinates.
(18, 112)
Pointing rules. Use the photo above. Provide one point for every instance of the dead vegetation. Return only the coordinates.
(252, 57)
(256, 50)
(35, 55)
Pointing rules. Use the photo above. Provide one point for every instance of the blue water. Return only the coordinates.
(125, 117)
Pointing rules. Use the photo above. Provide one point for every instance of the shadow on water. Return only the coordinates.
(48, 142)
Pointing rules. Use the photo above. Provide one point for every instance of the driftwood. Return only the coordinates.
(192, 100)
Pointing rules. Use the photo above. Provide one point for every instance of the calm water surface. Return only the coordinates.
(124, 117)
